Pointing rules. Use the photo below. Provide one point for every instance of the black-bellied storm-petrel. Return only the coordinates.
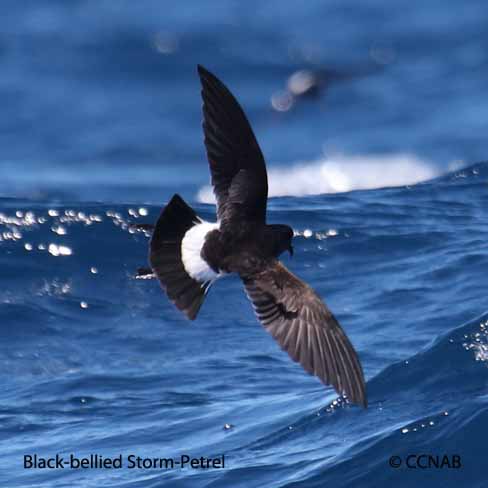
(188, 255)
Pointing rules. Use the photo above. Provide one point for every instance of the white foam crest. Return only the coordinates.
(343, 174)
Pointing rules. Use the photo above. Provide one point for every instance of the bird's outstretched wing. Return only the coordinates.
(305, 328)
(236, 162)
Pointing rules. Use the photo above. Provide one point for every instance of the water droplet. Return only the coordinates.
(165, 43)
(56, 250)
(282, 101)
(302, 82)
(83, 305)
(30, 218)
(59, 229)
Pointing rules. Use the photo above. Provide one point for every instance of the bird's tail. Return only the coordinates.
(165, 258)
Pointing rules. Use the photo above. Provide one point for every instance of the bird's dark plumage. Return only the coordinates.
(236, 163)
(305, 328)
(188, 255)
(165, 257)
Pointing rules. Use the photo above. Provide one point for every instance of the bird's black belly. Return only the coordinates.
(243, 255)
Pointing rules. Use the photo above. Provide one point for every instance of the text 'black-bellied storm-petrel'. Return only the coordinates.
(188, 255)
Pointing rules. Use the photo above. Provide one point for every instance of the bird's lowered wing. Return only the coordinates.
(305, 328)
(236, 163)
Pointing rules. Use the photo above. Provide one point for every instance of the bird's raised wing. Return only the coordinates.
(306, 329)
(236, 163)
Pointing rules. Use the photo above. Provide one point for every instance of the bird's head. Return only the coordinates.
(282, 236)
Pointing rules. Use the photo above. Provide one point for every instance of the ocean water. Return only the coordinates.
(381, 171)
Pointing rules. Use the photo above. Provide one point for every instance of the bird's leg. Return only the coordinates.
(144, 274)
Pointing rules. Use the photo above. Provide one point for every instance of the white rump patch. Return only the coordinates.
(191, 247)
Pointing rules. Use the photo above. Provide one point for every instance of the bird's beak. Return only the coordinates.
(290, 250)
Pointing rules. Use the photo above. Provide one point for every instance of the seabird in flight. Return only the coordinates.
(188, 255)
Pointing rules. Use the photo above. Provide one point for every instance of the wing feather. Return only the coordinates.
(305, 328)
(236, 162)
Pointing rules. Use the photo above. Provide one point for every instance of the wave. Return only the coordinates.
(345, 173)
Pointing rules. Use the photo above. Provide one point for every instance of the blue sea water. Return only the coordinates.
(380, 172)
